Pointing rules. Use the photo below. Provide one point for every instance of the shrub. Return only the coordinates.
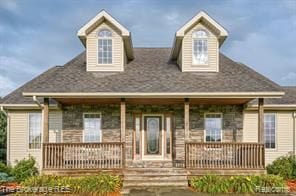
(209, 184)
(99, 184)
(284, 166)
(234, 184)
(24, 169)
(4, 177)
(241, 184)
(5, 168)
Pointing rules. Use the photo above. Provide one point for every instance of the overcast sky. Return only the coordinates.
(37, 34)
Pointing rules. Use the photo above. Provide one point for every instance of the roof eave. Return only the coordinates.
(251, 95)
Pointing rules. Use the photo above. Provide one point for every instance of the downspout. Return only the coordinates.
(294, 132)
(7, 135)
(41, 107)
(37, 102)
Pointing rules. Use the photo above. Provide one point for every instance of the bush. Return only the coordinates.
(24, 169)
(284, 166)
(100, 184)
(5, 168)
(4, 178)
(234, 184)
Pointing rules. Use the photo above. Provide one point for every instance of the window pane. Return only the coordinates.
(200, 51)
(269, 130)
(137, 127)
(200, 34)
(105, 33)
(168, 135)
(105, 51)
(213, 127)
(92, 128)
(35, 126)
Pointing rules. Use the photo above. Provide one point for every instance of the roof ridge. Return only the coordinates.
(144, 47)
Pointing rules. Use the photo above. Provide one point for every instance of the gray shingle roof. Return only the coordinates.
(288, 98)
(150, 71)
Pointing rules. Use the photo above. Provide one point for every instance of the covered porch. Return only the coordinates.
(179, 139)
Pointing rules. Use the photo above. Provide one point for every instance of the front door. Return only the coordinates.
(153, 137)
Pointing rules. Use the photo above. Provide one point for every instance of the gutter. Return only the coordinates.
(2, 110)
(37, 102)
(250, 95)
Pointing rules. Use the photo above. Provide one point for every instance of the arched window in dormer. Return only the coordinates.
(105, 47)
(200, 47)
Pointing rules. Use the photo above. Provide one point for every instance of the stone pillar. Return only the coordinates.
(122, 120)
(45, 120)
(260, 120)
(186, 118)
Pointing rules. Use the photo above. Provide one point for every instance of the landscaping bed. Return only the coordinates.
(24, 178)
(239, 184)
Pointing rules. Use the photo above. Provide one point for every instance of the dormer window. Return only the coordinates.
(200, 47)
(105, 47)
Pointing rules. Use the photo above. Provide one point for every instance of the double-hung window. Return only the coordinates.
(269, 130)
(105, 47)
(213, 127)
(200, 47)
(35, 127)
(92, 127)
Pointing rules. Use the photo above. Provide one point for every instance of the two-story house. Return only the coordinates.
(179, 111)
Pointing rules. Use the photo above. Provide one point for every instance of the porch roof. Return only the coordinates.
(149, 73)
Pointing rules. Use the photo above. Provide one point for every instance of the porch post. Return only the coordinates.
(45, 120)
(186, 118)
(260, 120)
(122, 120)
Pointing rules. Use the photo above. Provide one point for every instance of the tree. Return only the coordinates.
(3, 124)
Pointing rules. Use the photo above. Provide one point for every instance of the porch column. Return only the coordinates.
(186, 118)
(122, 120)
(45, 120)
(260, 120)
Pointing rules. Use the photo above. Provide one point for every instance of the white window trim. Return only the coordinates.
(275, 134)
(192, 47)
(221, 132)
(97, 47)
(28, 135)
(100, 131)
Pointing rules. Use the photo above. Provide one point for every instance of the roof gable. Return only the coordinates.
(201, 17)
(205, 17)
(99, 19)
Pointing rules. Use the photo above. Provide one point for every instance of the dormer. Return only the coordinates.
(196, 45)
(108, 44)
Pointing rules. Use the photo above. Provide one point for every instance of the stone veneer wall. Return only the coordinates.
(73, 122)
(232, 122)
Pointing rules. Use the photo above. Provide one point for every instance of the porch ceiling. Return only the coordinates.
(153, 101)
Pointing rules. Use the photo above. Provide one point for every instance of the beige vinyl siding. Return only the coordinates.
(284, 133)
(92, 50)
(19, 135)
(213, 51)
(179, 60)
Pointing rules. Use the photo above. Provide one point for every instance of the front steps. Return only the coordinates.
(154, 177)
